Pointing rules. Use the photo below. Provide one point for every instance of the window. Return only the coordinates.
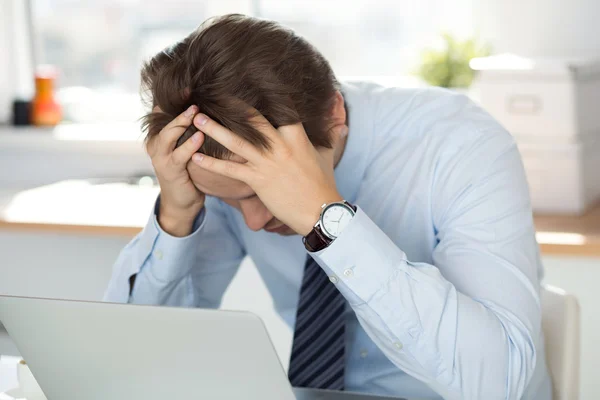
(99, 46)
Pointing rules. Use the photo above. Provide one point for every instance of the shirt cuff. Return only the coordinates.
(168, 258)
(361, 260)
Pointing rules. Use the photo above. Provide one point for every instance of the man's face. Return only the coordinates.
(240, 196)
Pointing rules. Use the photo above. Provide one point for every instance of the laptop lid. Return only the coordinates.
(97, 351)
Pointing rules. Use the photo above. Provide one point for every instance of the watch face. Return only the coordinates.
(335, 219)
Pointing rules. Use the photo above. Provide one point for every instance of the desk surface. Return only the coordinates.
(8, 380)
(311, 394)
(301, 394)
(121, 209)
(570, 235)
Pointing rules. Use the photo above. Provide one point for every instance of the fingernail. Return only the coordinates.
(190, 111)
(345, 130)
(201, 119)
(197, 158)
(196, 137)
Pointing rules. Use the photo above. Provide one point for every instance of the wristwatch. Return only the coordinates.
(334, 218)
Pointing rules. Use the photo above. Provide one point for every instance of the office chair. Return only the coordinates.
(561, 325)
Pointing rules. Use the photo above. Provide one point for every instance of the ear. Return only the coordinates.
(337, 134)
(338, 128)
(338, 110)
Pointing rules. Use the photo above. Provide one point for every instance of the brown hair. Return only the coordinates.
(233, 58)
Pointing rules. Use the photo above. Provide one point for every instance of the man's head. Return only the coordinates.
(233, 62)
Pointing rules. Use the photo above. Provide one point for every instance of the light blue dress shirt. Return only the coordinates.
(440, 265)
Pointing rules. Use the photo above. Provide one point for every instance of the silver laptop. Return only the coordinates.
(97, 351)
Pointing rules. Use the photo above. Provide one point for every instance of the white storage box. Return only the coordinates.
(552, 107)
(548, 98)
(564, 178)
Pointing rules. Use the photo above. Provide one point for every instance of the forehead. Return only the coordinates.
(213, 184)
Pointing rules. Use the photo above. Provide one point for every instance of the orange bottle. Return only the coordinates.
(45, 110)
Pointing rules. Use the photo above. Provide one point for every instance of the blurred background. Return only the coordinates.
(76, 186)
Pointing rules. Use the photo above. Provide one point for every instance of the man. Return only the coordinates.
(420, 275)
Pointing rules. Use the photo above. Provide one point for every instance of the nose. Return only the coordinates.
(255, 213)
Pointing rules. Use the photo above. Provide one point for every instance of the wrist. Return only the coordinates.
(175, 227)
(177, 222)
(315, 210)
(333, 219)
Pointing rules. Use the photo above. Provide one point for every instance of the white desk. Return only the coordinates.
(8, 380)
(8, 375)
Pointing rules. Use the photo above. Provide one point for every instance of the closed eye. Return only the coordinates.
(246, 197)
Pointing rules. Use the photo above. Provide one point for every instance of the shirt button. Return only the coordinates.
(364, 353)
(348, 273)
(158, 254)
(333, 279)
(398, 345)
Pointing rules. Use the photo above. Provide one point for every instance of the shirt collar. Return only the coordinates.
(350, 170)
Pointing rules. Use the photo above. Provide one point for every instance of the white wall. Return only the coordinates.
(541, 28)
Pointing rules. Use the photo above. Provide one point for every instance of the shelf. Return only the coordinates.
(122, 209)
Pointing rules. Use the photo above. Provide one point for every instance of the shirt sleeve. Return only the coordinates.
(466, 324)
(192, 271)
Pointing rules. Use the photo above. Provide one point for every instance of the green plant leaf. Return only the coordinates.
(449, 67)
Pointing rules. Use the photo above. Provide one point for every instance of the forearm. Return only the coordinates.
(176, 222)
(193, 270)
(154, 267)
(460, 346)
(457, 346)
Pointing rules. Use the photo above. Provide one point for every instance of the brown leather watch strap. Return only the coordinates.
(316, 240)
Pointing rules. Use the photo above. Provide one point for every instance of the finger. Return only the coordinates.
(261, 124)
(173, 130)
(184, 153)
(227, 168)
(294, 132)
(230, 140)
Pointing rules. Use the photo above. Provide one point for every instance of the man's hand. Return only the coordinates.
(292, 179)
(180, 200)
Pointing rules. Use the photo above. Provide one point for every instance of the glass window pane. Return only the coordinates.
(366, 37)
(99, 46)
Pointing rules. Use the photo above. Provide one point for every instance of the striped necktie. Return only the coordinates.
(317, 359)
